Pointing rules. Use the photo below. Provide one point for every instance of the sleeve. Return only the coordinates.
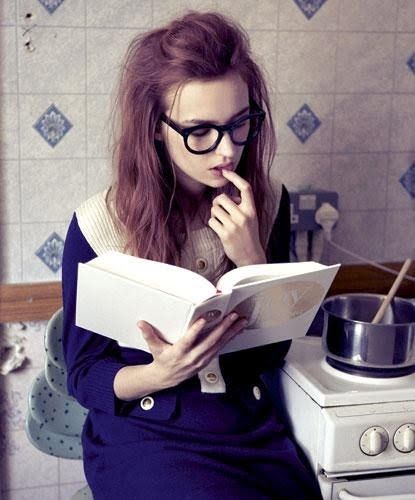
(92, 360)
(258, 360)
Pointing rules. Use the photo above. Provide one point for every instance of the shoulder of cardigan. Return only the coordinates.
(97, 225)
(99, 230)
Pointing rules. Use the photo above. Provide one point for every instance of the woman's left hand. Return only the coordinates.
(237, 224)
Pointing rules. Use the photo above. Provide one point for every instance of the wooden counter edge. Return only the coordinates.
(38, 301)
(29, 301)
(364, 278)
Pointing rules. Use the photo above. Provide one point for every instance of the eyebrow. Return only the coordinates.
(197, 121)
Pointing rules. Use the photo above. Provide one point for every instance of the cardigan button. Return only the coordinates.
(201, 264)
(211, 377)
(257, 392)
(147, 403)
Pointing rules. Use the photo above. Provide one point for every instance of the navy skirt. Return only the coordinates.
(196, 446)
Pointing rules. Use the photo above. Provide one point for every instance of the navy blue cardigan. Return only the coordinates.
(93, 360)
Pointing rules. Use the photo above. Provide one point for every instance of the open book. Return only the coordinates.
(116, 290)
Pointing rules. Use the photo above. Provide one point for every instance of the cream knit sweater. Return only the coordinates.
(202, 253)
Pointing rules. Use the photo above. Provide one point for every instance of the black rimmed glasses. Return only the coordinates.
(203, 138)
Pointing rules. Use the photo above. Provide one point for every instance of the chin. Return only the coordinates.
(216, 185)
(199, 185)
(219, 182)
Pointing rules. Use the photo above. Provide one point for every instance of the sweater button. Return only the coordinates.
(147, 403)
(211, 377)
(257, 392)
(201, 264)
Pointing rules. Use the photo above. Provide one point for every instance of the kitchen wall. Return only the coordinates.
(342, 76)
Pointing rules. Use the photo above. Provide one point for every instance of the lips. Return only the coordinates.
(223, 166)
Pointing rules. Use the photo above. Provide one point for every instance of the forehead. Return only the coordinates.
(216, 99)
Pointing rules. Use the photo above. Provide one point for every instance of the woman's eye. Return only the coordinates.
(243, 124)
(201, 132)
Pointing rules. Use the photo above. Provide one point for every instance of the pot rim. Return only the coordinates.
(356, 294)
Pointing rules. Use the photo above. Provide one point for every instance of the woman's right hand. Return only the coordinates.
(174, 363)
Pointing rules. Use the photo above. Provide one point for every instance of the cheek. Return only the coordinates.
(179, 154)
(174, 145)
(238, 155)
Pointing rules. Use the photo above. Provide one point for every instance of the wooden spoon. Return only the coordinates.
(394, 288)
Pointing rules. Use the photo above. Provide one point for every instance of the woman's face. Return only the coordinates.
(219, 101)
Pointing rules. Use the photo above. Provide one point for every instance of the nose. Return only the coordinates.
(226, 147)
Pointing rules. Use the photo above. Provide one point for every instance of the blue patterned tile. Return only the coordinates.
(50, 253)
(304, 123)
(53, 125)
(411, 63)
(51, 5)
(309, 7)
(408, 180)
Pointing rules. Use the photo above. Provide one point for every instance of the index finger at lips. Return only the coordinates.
(236, 179)
(243, 186)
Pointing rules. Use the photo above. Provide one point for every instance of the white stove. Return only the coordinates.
(357, 432)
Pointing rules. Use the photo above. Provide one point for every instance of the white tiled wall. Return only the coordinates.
(347, 63)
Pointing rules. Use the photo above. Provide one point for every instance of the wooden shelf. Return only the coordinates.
(38, 301)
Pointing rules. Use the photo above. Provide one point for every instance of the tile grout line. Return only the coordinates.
(19, 141)
(334, 103)
(390, 129)
(277, 56)
(130, 28)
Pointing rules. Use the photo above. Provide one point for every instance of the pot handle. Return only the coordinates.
(345, 495)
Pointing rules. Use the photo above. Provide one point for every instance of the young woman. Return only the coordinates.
(194, 143)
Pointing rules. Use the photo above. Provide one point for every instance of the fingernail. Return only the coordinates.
(234, 316)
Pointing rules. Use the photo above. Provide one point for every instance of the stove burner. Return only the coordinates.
(366, 371)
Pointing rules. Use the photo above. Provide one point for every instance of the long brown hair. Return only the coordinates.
(196, 46)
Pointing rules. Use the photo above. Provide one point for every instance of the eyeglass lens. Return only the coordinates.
(202, 139)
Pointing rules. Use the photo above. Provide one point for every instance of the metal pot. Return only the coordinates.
(354, 345)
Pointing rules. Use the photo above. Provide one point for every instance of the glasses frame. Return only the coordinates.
(221, 129)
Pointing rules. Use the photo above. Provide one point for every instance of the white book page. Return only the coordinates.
(245, 275)
(279, 309)
(170, 279)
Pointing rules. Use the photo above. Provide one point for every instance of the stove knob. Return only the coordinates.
(404, 438)
(374, 440)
